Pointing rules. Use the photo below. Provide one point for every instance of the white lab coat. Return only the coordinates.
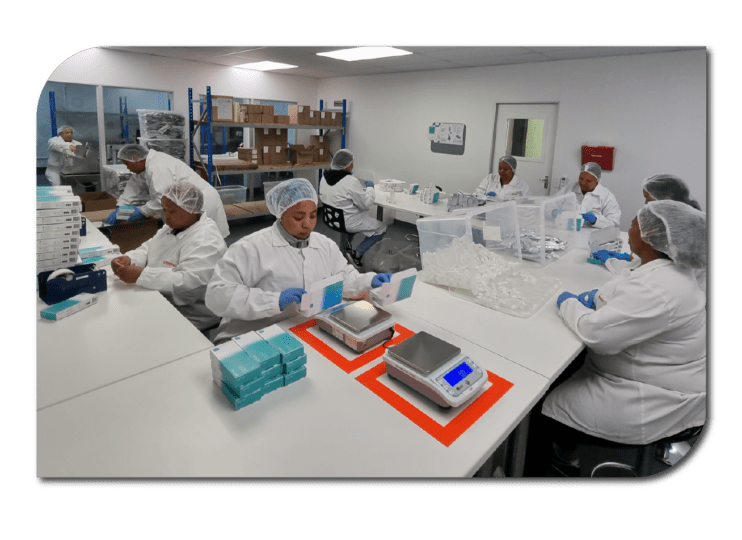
(491, 182)
(355, 200)
(617, 266)
(645, 373)
(160, 171)
(59, 150)
(181, 265)
(599, 201)
(248, 281)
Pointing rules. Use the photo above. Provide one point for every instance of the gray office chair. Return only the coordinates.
(607, 459)
(335, 220)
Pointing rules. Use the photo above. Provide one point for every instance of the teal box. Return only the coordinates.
(293, 365)
(295, 375)
(237, 367)
(248, 388)
(257, 347)
(273, 384)
(238, 401)
(286, 344)
(272, 372)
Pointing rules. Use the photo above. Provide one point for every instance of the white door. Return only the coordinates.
(527, 132)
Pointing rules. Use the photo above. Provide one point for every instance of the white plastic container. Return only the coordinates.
(232, 194)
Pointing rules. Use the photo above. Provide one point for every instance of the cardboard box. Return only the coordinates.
(321, 155)
(237, 112)
(254, 118)
(278, 155)
(251, 155)
(269, 118)
(101, 200)
(320, 141)
(301, 155)
(325, 118)
(293, 114)
(222, 109)
(265, 137)
(254, 109)
(282, 119)
(337, 119)
(314, 118)
(281, 137)
(268, 110)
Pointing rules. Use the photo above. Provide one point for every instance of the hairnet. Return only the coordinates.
(62, 128)
(667, 186)
(133, 152)
(593, 168)
(186, 196)
(676, 229)
(510, 160)
(341, 160)
(287, 194)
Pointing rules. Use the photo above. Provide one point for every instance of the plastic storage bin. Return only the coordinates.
(392, 256)
(114, 179)
(232, 194)
(155, 124)
(548, 226)
(173, 147)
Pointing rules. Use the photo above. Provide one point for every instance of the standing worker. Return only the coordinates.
(644, 376)
(263, 276)
(154, 172)
(60, 147)
(339, 188)
(179, 260)
(505, 184)
(598, 205)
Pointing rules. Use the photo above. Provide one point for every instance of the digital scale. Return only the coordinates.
(436, 369)
(360, 324)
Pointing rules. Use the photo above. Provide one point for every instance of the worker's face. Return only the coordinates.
(136, 166)
(300, 219)
(175, 216)
(505, 171)
(66, 135)
(635, 237)
(647, 197)
(587, 182)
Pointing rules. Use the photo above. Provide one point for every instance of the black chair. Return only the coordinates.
(335, 220)
(609, 459)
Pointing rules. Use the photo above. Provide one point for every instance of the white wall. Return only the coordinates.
(652, 108)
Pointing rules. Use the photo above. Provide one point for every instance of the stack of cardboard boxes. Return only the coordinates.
(227, 109)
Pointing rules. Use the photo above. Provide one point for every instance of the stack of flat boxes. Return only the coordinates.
(321, 147)
(58, 223)
(256, 363)
(270, 147)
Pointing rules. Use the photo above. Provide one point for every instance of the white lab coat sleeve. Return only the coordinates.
(135, 190)
(229, 292)
(611, 213)
(139, 255)
(618, 266)
(160, 179)
(191, 274)
(633, 314)
(60, 145)
(482, 187)
(363, 198)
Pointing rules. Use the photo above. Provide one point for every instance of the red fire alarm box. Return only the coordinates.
(602, 155)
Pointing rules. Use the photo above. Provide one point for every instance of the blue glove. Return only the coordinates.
(564, 296)
(588, 298)
(369, 183)
(379, 279)
(590, 218)
(111, 219)
(604, 254)
(289, 296)
(556, 212)
(491, 194)
(136, 215)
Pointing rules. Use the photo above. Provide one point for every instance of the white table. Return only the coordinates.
(407, 203)
(129, 330)
(173, 421)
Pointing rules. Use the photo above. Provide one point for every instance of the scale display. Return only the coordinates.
(456, 375)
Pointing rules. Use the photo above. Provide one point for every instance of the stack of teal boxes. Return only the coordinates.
(256, 363)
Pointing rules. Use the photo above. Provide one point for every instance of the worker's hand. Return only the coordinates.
(604, 254)
(289, 296)
(120, 262)
(111, 219)
(136, 215)
(491, 194)
(564, 296)
(73, 147)
(130, 274)
(588, 298)
(556, 212)
(379, 279)
(590, 218)
(369, 183)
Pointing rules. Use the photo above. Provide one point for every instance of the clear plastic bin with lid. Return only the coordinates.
(548, 226)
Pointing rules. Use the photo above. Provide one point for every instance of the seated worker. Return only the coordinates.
(179, 260)
(598, 206)
(60, 147)
(644, 376)
(154, 172)
(262, 277)
(339, 188)
(655, 188)
(505, 184)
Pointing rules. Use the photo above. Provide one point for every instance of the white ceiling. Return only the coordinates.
(424, 58)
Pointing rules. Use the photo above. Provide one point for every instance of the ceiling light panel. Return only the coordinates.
(364, 53)
(265, 66)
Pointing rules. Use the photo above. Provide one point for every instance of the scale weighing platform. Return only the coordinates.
(360, 325)
(436, 369)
